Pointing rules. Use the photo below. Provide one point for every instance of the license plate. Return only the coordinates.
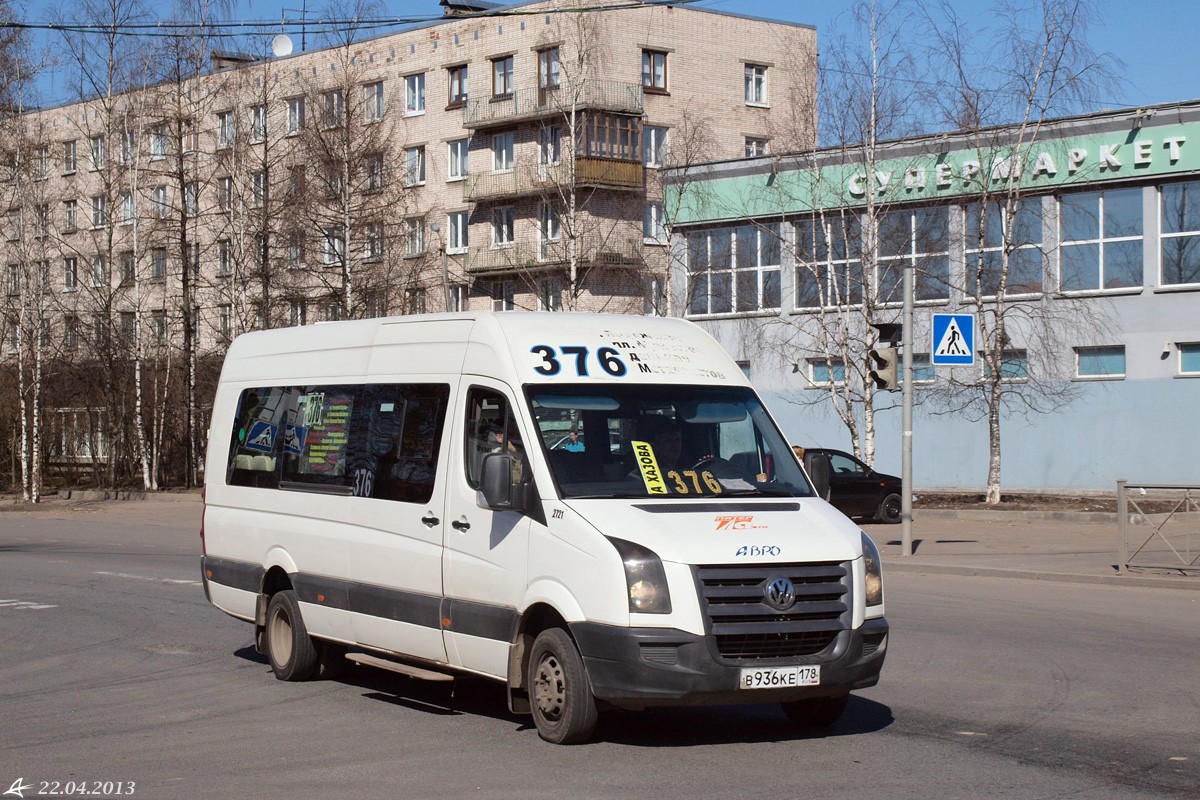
(781, 677)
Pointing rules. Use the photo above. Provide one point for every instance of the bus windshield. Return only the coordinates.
(663, 441)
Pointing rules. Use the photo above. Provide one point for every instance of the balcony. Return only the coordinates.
(535, 103)
(533, 180)
(616, 250)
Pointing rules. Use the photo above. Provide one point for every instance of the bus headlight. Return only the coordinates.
(644, 578)
(874, 574)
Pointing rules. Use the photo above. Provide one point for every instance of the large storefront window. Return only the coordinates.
(1180, 232)
(992, 230)
(829, 261)
(733, 269)
(1101, 235)
(919, 238)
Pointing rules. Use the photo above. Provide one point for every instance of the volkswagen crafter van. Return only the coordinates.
(387, 490)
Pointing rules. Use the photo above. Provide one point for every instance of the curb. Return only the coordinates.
(1022, 516)
(1131, 579)
(94, 494)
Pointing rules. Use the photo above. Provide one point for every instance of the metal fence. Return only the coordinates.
(1159, 526)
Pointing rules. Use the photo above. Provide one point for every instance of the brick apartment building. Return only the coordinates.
(498, 158)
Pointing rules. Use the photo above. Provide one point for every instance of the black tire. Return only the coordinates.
(292, 652)
(564, 709)
(817, 712)
(889, 510)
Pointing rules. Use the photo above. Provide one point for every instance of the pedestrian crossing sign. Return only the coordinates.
(953, 340)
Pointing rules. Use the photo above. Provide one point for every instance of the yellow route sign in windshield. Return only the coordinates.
(651, 475)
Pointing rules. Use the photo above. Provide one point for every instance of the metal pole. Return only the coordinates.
(906, 387)
(1122, 521)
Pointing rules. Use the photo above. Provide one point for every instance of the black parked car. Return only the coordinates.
(857, 490)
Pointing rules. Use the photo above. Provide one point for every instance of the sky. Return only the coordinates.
(1154, 41)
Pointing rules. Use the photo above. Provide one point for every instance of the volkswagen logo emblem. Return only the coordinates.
(780, 593)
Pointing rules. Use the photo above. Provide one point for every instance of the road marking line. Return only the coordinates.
(25, 604)
(148, 578)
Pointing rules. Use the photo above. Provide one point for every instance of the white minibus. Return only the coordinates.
(596, 510)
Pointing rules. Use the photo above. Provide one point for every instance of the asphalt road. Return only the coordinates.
(115, 669)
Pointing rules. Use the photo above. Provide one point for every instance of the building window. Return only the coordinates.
(549, 76)
(1180, 232)
(654, 297)
(126, 208)
(99, 271)
(503, 296)
(70, 160)
(1014, 366)
(258, 122)
(550, 294)
(99, 211)
(1101, 236)
(190, 136)
(503, 225)
(549, 149)
(993, 230)
(458, 227)
(654, 70)
(70, 216)
(414, 94)
(98, 151)
(334, 105)
(225, 193)
(226, 128)
(128, 147)
(295, 250)
(333, 245)
(733, 269)
(829, 261)
(295, 118)
(158, 328)
(456, 160)
(549, 230)
(191, 261)
(414, 301)
(458, 297)
(41, 220)
(919, 239)
(191, 199)
(414, 237)
(128, 267)
(224, 258)
(756, 85)
(654, 146)
(258, 188)
(502, 152)
(414, 174)
(372, 241)
(158, 202)
(1100, 363)
(755, 146)
(826, 372)
(1189, 358)
(14, 279)
(613, 136)
(502, 76)
(159, 141)
(224, 322)
(653, 229)
(158, 263)
(457, 79)
(41, 163)
(70, 273)
(71, 331)
(376, 175)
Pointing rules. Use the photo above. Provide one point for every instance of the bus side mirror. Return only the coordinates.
(496, 484)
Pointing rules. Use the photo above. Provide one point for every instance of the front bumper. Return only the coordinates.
(639, 667)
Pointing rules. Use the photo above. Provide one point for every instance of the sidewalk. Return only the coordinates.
(1046, 546)
(1071, 547)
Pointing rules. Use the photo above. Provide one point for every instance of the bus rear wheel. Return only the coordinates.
(291, 650)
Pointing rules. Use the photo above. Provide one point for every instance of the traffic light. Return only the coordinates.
(883, 368)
